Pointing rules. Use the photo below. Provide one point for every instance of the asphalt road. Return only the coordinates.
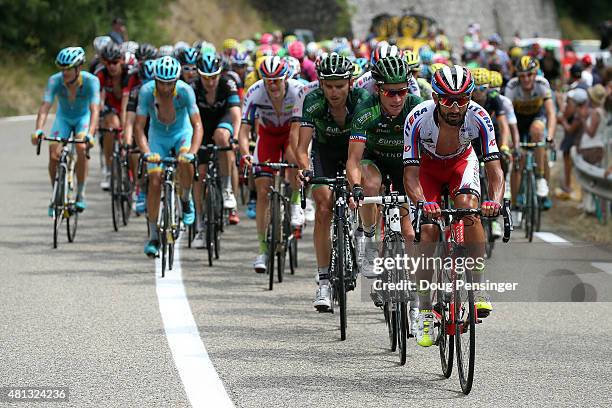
(87, 316)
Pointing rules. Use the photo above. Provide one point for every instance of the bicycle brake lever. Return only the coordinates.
(508, 227)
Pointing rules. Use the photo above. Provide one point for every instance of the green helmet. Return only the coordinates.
(390, 70)
(335, 66)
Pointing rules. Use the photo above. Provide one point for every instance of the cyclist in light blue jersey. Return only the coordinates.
(174, 125)
(78, 96)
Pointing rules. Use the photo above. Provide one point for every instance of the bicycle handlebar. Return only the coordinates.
(210, 147)
(60, 140)
(390, 199)
(332, 182)
(276, 166)
(170, 160)
(462, 212)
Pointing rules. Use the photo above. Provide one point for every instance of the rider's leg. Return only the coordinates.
(227, 159)
(262, 185)
(371, 181)
(111, 120)
(153, 198)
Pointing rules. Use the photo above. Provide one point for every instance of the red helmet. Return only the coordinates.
(266, 38)
(587, 60)
(297, 49)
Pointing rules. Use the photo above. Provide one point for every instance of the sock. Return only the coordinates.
(478, 273)
(81, 190)
(424, 299)
(227, 182)
(323, 275)
(153, 231)
(253, 195)
(263, 245)
(295, 197)
(186, 195)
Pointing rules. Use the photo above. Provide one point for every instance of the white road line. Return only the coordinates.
(604, 266)
(23, 118)
(202, 384)
(551, 238)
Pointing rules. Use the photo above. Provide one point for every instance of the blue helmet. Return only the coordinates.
(364, 63)
(146, 70)
(209, 64)
(188, 56)
(70, 57)
(167, 69)
(240, 58)
(426, 54)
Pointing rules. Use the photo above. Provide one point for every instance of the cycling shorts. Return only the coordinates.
(108, 109)
(269, 148)
(209, 130)
(327, 162)
(386, 168)
(64, 127)
(524, 123)
(460, 173)
(164, 144)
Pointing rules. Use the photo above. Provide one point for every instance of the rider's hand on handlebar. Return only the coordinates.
(152, 157)
(431, 209)
(303, 176)
(186, 157)
(246, 160)
(356, 198)
(37, 135)
(490, 208)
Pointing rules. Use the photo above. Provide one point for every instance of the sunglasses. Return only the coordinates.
(209, 77)
(274, 80)
(188, 68)
(116, 62)
(526, 75)
(449, 101)
(390, 93)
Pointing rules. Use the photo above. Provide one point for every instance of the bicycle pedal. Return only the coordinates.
(323, 309)
(478, 321)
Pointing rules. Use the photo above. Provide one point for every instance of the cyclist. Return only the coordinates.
(385, 50)
(493, 104)
(272, 101)
(174, 125)
(376, 147)
(496, 81)
(438, 152)
(188, 58)
(239, 64)
(326, 122)
(114, 83)
(297, 49)
(78, 96)
(414, 65)
(219, 105)
(536, 120)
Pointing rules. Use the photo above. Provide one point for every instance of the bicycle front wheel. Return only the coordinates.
(465, 333)
(115, 189)
(126, 193)
(71, 225)
(273, 233)
(445, 335)
(339, 278)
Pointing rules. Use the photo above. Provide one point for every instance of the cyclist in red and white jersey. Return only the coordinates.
(273, 101)
(438, 152)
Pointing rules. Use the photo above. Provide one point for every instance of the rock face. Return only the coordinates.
(504, 17)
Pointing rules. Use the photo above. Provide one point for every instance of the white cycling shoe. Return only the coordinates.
(297, 216)
(229, 199)
(322, 301)
(260, 264)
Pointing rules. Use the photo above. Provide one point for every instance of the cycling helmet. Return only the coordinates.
(145, 52)
(70, 57)
(297, 49)
(188, 56)
(230, 44)
(100, 42)
(146, 70)
(264, 50)
(412, 60)
(390, 70)
(167, 69)
(266, 38)
(240, 58)
(455, 80)
(527, 64)
(357, 70)
(129, 46)
(334, 66)
(273, 67)
(383, 51)
(208, 48)
(209, 64)
(289, 39)
(515, 52)
(481, 76)
(179, 45)
(496, 79)
(249, 45)
(426, 54)
(165, 50)
(312, 48)
(363, 63)
(436, 66)
(112, 52)
(294, 67)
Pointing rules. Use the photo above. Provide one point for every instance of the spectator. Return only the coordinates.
(587, 71)
(575, 79)
(594, 117)
(119, 31)
(573, 126)
(551, 67)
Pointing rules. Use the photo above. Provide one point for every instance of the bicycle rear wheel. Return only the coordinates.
(126, 193)
(71, 225)
(390, 321)
(445, 337)
(532, 202)
(209, 221)
(402, 330)
(465, 334)
(339, 278)
(284, 240)
(115, 188)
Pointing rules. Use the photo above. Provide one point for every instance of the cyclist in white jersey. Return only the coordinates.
(273, 101)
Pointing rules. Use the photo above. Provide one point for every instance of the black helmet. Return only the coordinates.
(145, 52)
(111, 52)
(335, 66)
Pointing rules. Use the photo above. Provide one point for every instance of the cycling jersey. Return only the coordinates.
(309, 71)
(383, 136)
(251, 78)
(528, 106)
(508, 109)
(113, 100)
(458, 170)
(134, 85)
(226, 97)
(367, 82)
(330, 141)
(164, 137)
(72, 116)
(273, 129)
(425, 89)
(495, 108)
(421, 133)
(237, 80)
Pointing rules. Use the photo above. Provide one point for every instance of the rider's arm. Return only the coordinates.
(235, 118)
(495, 178)
(249, 111)
(94, 106)
(198, 131)
(141, 139)
(305, 138)
(43, 112)
(412, 185)
(294, 134)
(243, 138)
(128, 129)
(123, 114)
(353, 166)
(504, 129)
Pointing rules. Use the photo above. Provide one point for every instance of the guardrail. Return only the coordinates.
(591, 178)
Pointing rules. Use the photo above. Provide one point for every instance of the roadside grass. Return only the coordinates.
(21, 86)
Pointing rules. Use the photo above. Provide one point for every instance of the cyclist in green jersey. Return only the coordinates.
(326, 121)
(376, 147)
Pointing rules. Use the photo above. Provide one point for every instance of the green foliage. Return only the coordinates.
(44, 26)
(579, 20)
